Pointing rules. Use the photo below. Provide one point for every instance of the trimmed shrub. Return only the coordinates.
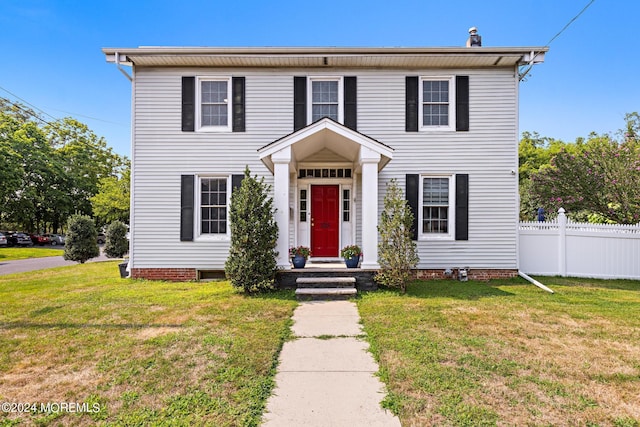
(397, 253)
(81, 241)
(251, 265)
(116, 243)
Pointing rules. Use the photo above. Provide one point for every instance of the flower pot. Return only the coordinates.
(298, 261)
(352, 262)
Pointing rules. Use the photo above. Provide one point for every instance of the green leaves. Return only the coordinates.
(80, 244)
(251, 264)
(397, 253)
(51, 170)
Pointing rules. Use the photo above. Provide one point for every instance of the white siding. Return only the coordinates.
(487, 153)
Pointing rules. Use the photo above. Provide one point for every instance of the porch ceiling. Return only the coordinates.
(325, 134)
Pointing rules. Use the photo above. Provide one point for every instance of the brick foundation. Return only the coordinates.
(187, 274)
(473, 274)
(170, 274)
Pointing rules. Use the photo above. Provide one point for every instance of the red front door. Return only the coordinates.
(325, 210)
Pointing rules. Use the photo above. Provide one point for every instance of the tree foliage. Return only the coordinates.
(251, 264)
(81, 241)
(51, 169)
(116, 242)
(397, 253)
(111, 203)
(595, 180)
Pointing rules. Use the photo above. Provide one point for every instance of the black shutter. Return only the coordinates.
(186, 208)
(462, 207)
(412, 189)
(237, 84)
(299, 102)
(351, 103)
(236, 181)
(462, 103)
(188, 104)
(411, 89)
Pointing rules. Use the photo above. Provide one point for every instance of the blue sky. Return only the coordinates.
(51, 53)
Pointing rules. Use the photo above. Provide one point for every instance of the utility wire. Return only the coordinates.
(523, 74)
(54, 118)
(28, 103)
(28, 112)
(569, 23)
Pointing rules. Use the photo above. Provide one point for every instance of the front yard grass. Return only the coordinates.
(12, 254)
(507, 353)
(149, 353)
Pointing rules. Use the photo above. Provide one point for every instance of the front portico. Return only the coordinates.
(315, 186)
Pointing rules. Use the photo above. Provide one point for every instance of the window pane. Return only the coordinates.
(213, 201)
(214, 115)
(320, 111)
(435, 205)
(214, 92)
(325, 91)
(435, 103)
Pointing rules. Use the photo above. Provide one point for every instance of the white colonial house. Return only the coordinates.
(328, 128)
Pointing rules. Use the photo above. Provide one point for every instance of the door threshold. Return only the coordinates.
(325, 260)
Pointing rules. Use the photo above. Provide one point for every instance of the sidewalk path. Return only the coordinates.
(326, 375)
(31, 264)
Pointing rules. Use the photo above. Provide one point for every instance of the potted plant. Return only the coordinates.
(299, 256)
(351, 255)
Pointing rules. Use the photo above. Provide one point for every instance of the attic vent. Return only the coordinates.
(475, 40)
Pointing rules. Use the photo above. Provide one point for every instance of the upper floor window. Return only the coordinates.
(326, 99)
(437, 103)
(214, 104)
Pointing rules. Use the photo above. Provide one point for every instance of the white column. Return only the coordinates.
(369, 162)
(281, 160)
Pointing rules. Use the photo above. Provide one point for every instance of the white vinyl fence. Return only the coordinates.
(565, 248)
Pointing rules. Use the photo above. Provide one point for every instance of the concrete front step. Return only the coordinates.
(325, 282)
(325, 293)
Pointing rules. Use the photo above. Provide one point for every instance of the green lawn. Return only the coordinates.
(508, 353)
(149, 353)
(12, 254)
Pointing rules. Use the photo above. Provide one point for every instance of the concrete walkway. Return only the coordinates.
(326, 375)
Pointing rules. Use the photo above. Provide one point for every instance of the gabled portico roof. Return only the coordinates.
(325, 134)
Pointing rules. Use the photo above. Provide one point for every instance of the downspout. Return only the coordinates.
(130, 264)
(122, 69)
(534, 281)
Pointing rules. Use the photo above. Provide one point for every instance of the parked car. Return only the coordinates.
(56, 239)
(101, 238)
(19, 239)
(3, 240)
(40, 240)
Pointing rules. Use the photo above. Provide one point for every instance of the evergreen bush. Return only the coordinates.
(116, 242)
(81, 240)
(251, 264)
(397, 253)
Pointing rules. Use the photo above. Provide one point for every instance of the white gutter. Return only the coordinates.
(534, 281)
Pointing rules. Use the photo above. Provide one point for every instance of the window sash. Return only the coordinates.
(436, 103)
(436, 205)
(326, 98)
(214, 104)
(213, 206)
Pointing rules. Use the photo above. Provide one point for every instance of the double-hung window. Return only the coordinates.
(326, 99)
(213, 206)
(214, 104)
(437, 102)
(436, 201)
